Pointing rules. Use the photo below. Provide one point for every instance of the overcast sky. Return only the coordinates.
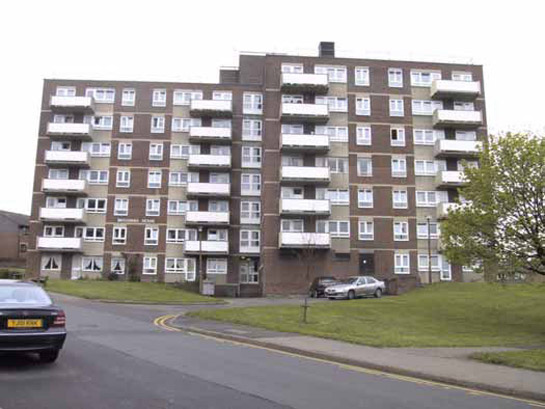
(190, 40)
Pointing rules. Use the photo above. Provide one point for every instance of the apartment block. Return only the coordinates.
(288, 168)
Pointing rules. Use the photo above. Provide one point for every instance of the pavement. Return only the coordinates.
(115, 357)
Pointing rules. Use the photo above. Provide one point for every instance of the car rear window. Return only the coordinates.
(23, 295)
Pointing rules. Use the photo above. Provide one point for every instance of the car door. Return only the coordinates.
(360, 286)
(371, 286)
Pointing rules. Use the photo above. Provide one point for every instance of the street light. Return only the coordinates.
(201, 269)
(428, 219)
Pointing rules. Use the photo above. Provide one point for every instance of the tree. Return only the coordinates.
(501, 221)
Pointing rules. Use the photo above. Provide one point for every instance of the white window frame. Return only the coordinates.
(97, 149)
(364, 136)
(363, 106)
(101, 95)
(128, 97)
(121, 206)
(401, 230)
(334, 73)
(424, 78)
(399, 133)
(153, 207)
(252, 239)
(250, 212)
(369, 168)
(362, 76)
(178, 236)
(115, 262)
(395, 77)
(427, 195)
(252, 129)
(252, 103)
(185, 96)
(123, 178)
(399, 167)
(366, 230)
(154, 184)
(157, 124)
(159, 98)
(216, 266)
(402, 263)
(397, 107)
(124, 151)
(364, 191)
(151, 236)
(422, 230)
(97, 264)
(253, 184)
(429, 167)
(149, 265)
(398, 194)
(126, 124)
(119, 235)
(251, 156)
(54, 261)
(155, 151)
(176, 207)
(425, 107)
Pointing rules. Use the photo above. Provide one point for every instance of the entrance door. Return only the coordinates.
(367, 264)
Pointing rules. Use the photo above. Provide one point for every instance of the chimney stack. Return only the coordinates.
(327, 49)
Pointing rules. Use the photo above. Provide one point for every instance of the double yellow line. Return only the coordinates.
(163, 323)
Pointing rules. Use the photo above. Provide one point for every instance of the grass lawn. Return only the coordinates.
(533, 359)
(124, 291)
(447, 314)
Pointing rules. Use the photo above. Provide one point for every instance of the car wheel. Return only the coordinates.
(48, 357)
(378, 293)
(331, 298)
(351, 295)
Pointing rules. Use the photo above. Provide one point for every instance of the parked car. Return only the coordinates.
(358, 286)
(319, 284)
(29, 321)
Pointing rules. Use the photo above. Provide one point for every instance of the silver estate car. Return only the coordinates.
(358, 286)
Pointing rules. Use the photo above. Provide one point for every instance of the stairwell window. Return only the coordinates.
(159, 98)
(426, 198)
(422, 230)
(249, 240)
(92, 205)
(334, 104)
(177, 178)
(335, 133)
(95, 177)
(338, 196)
(395, 77)
(250, 212)
(427, 136)
(175, 236)
(335, 228)
(97, 149)
(338, 165)
(176, 207)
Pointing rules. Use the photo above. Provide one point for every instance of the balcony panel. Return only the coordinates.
(66, 215)
(250, 250)
(445, 118)
(304, 240)
(60, 244)
(455, 148)
(305, 206)
(209, 218)
(310, 143)
(444, 208)
(449, 178)
(206, 247)
(296, 83)
(67, 158)
(69, 130)
(305, 174)
(211, 108)
(72, 104)
(459, 90)
(209, 189)
(65, 186)
(209, 161)
(210, 134)
(305, 113)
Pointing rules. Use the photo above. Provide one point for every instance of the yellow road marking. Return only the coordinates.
(162, 322)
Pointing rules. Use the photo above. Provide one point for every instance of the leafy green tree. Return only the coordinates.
(500, 223)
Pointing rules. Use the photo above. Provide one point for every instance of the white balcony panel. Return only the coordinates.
(459, 119)
(74, 104)
(210, 133)
(312, 112)
(206, 247)
(66, 186)
(304, 240)
(62, 215)
(449, 178)
(67, 158)
(444, 208)
(305, 142)
(305, 174)
(211, 161)
(305, 82)
(250, 250)
(60, 244)
(452, 147)
(205, 217)
(211, 107)
(69, 129)
(465, 90)
(305, 206)
(208, 189)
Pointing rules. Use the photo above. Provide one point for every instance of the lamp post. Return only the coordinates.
(201, 269)
(428, 219)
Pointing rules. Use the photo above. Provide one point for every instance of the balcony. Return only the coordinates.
(60, 244)
(459, 90)
(250, 249)
(304, 240)
(209, 161)
(297, 83)
(67, 158)
(449, 178)
(211, 108)
(444, 208)
(206, 247)
(65, 186)
(308, 143)
(455, 148)
(63, 215)
(209, 218)
(305, 174)
(72, 104)
(208, 189)
(69, 130)
(316, 113)
(305, 207)
(210, 134)
(444, 118)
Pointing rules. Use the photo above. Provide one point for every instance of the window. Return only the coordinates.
(102, 123)
(399, 167)
(395, 77)
(156, 151)
(291, 225)
(335, 104)
(126, 124)
(425, 107)
(151, 236)
(338, 165)
(363, 135)
(424, 168)
(95, 177)
(397, 136)
(464, 106)
(93, 205)
(250, 184)
(121, 207)
(249, 273)
(462, 76)
(55, 202)
(128, 97)
(97, 149)
(51, 262)
(396, 107)
(67, 119)
(466, 135)
(154, 179)
(58, 174)
(424, 78)
(123, 178)
(361, 76)
(365, 198)
(124, 151)
(95, 234)
(119, 235)
(399, 199)
(401, 263)
(157, 124)
(176, 207)
(427, 136)
(366, 230)
(335, 133)
(216, 266)
(250, 212)
(292, 129)
(184, 97)
(214, 177)
(334, 74)
(153, 207)
(177, 178)
(298, 161)
(118, 265)
(252, 103)
(423, 262)
(422, 230)
(252, 130)
(336, 228)
(101, 95)
(93, 264)
(363, 106)
(426, 198)
(53, 231)
(218, 205)
(365, 167)
(338, 196)
(401, 231)
(179, 151)
(249, 240)
(159, 98)
(251, 157)
(150, 265)
(60, 146)
(66, 92)
(222, 95)
(184, 266)
(292, 68)
(175, 236)
(217, 234)
(185, 124)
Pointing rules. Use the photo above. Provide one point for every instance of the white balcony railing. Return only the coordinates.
(69, 129)
(304, 240)
(305, 142)
(305, 206)
(210, 161)
(305, 174)
(460, 119)
(55, 214)
(72, 104)
(67, 158)
(65, 186)
(208, 189)
(210, 133)
(317, 83)
(60, 244)
(206, 247)
(453, 147)
(312, 112)
(211, 107)
(455, 89)
(447, 178)
(205, 217)
(444, 208)
(250, 249)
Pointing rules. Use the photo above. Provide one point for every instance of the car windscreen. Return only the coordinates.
(23, 295)
(349, 280)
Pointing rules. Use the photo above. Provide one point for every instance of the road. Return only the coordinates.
(115, 357)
